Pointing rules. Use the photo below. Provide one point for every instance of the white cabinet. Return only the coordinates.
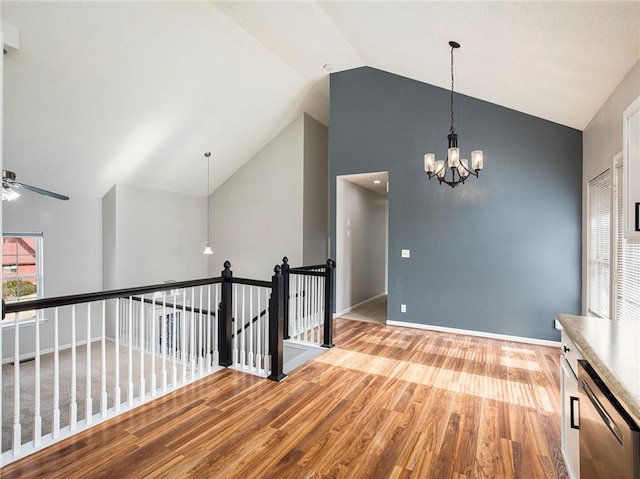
(631, 171)
(570, 407)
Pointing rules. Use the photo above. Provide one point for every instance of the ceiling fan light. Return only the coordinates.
(9, 194)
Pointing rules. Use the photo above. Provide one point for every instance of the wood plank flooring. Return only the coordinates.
(387, 402)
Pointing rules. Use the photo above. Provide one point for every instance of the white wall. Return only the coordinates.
(361, 244)
(601, 140)
(316, 192)
(72, 254)
(159, 236)
(256, 215)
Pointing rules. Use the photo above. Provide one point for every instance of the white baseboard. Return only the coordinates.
(481, 334)
(361, 303)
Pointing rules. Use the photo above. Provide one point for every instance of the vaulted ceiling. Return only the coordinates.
(135, 92)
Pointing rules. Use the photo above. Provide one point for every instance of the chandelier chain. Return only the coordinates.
(452, 129)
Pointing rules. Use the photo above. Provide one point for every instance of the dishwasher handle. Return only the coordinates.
(608, 420)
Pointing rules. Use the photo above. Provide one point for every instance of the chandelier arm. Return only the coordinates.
(469, 171)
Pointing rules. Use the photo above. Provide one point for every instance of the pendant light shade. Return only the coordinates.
(207, 249)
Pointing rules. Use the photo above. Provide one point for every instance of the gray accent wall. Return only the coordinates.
(500, 254)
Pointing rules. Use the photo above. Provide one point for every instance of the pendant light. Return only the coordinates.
(459, 168)
(207, 249)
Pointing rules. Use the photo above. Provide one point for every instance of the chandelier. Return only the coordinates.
(459, 168)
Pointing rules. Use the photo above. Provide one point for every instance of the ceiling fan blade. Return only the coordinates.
(41, 191)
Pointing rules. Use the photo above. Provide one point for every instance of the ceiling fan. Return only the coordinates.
(10, 187)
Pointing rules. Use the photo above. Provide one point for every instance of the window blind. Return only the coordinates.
(627, 264)
(599, 245)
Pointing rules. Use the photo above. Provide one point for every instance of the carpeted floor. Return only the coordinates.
(372, 312)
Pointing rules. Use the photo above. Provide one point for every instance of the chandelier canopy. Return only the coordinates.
(458, 168)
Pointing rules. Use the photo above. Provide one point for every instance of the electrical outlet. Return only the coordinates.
(403, 308)
(406, 253)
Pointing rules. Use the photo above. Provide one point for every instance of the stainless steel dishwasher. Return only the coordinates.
(609, 438)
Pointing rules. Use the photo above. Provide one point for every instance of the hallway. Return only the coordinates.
(374, 311)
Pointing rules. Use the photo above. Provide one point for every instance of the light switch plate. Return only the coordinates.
(403, 308)
(406, 253)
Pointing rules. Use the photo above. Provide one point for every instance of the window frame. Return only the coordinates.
(38, 275)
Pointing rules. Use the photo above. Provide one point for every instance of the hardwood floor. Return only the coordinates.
(387, 402)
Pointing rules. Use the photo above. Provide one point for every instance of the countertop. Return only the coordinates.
(612, 348)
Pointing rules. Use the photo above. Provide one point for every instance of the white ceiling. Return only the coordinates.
(135, 92)
(376, 181)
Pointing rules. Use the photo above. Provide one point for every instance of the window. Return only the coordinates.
(613, 263)
(599, 245)
(21, 270)
(626, 270)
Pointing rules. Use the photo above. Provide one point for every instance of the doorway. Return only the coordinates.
(362, 212)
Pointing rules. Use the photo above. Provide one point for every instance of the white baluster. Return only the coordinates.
(316, 323)
(141, 342)
(55, 427)
(183, 337)
(88, 401)
(152, 318)
(258, 357)
(164, 341)
(73, 407)
(17, 427)
(216, 356)
(130, 355)
(235, 325)
(103, 392)
(174, 341)
(243, 342)
(251, 327)
(200, 351)
(267, 353)
(116, 389)
(37, 416)
(299, 308)
(192, 339)
(208, 328)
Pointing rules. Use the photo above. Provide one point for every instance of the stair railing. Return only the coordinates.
(309, 305)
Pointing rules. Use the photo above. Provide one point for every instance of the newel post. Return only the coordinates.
(285, 275)
(276, 325)
(329, 278)
(225, 325)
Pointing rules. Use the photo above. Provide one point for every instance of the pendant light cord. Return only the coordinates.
(453, 130)
(207, 156)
